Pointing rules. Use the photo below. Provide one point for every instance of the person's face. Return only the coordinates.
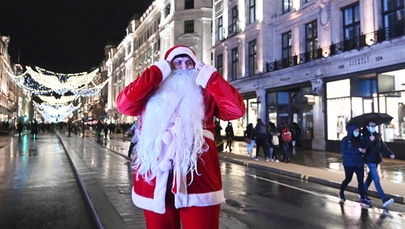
(183, 63)
(371, 127)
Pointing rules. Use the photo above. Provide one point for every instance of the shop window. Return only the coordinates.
(342, 85)
(283, 98)
(363, 87)
(338, 116)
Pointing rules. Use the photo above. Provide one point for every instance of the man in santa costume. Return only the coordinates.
(177, 178)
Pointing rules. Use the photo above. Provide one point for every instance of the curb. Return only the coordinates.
(93, 211)
(397, 198)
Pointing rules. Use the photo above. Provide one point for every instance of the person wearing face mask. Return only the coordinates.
(374, 146)
(352, 155)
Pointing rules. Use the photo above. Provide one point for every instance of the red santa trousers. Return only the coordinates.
(190, 217)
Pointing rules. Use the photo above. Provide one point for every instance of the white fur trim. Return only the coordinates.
(204, 75)
(164, 68)
(179, 51)
(200, 200)
(208, 134)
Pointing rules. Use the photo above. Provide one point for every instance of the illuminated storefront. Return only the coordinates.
(293, 107)
(382, 92)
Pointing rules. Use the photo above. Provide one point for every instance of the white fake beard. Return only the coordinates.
(177, 97)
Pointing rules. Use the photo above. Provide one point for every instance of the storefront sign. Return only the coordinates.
(359, 61)
(285, 79)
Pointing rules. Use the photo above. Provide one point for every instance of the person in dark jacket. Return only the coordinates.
(261, 139)
(374, 145)
(229, 136)
(250, 138)
(352, 155)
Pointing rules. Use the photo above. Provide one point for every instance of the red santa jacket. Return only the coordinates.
(221, 100)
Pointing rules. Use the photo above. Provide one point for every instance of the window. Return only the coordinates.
(311, 41)
(189, 4)
(351, 27)
(252, 57)
(189, 26)
(252, 11)
(234, 20)
(220, 29)
(286, 50)
(234, 63)
(167, 11)
(393, 18)
(286, 6)
(219, 64)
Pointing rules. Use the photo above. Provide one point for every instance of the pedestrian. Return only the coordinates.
(34, 129)
(273, 141)
(352, 155)
(261, 140)
(374, 146)
(295, 133)
(69, 126)
(20, 128)
(285, 139)
(249, 135)
(106, 129)
(134, 138)
(177, 178)
(229, 136)
(218, 129)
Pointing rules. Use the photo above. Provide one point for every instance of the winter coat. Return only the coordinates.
(349, 148)
(221, 100)
(374, 148)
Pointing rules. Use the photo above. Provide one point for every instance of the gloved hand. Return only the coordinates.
(199, 65)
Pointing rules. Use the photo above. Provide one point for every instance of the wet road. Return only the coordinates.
(259, 199)
(37, 186)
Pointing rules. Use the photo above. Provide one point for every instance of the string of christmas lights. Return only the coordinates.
(56, 93)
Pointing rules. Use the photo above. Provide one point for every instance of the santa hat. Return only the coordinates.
(180, 50)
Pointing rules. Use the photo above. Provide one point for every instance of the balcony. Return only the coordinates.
(358, 43)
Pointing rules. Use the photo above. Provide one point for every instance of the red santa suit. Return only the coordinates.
(204, 186)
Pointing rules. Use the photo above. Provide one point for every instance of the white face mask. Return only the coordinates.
(371, 129)
(356, 133)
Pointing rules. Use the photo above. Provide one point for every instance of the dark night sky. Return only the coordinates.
(65, 35)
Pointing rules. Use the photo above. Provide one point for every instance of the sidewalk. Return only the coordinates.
(323, 168)
(315, 166)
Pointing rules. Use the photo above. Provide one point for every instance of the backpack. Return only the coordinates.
(286, 135)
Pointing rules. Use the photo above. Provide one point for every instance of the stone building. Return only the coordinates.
(316, 63)
(164, 24)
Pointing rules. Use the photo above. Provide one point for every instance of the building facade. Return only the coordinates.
(316, 63)
(11, 96)
(164, 24)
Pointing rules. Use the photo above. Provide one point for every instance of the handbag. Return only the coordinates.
(275, 140)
